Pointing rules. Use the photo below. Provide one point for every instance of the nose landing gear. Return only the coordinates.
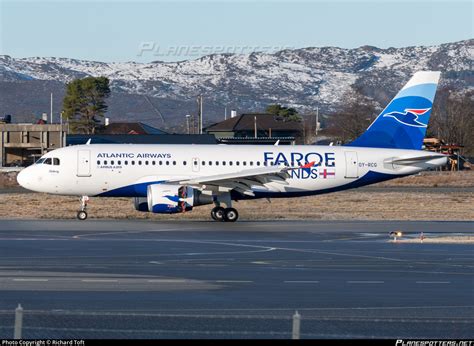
(82, 214)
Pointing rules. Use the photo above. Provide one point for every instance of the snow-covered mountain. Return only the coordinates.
(303, 78)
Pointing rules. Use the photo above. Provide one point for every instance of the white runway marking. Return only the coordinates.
(365, 282)
(301, 282)
(98, 280)
(30, 280)
(168, 280)
(79, 236)
(433, 282)
(234, 281)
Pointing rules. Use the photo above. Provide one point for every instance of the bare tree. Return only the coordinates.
(453, 118)
(356, 116)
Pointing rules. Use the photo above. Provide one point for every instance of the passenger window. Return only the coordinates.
(230, 163)
(98, 162)
(223, 163)
(161, 162)
(217, 163)
(210, 163)
(203, 163)
(112, 162)
(153, 163)
(174, 163)
(146, 163)
(184, 163)
(244, 163)
(167, 163)
(105, 162)
(238, 163)
(258, 163)
(140, 163)
(126, 163)
(133, 163)
(251, 163)
(119, 163)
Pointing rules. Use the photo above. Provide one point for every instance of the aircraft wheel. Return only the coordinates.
(231, 215)
(217, 213)
(81, 215)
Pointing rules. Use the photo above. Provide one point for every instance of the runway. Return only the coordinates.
(142, 279)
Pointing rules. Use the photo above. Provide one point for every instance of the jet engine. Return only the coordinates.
(169, 199)
(140, 203)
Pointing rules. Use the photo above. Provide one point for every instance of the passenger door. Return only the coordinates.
(352, 165)
(84, 163)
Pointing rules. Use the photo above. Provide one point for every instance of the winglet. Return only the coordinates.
(89, 141)
(308, 165)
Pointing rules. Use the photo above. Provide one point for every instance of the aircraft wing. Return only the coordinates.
(240, 181)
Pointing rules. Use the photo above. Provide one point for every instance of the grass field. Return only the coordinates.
(429, 196)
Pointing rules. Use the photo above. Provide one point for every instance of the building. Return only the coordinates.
(141, 139)
(137, 133)
(22, 144)
(257, 128)
(130, 128)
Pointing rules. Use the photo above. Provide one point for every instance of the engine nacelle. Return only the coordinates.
(169, 199)
(141, 203)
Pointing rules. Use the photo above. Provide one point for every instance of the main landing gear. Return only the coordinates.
(82, 214)
(219, 213)
(224, 214)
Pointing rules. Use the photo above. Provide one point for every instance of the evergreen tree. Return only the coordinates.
(288, 114)
(84, 104)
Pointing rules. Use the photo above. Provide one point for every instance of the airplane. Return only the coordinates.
(176, 178)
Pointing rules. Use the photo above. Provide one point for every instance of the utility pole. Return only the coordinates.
(255, 126)
(317, 121)
(225, 113)
(199, 100)
(187, 121)
(51, 114)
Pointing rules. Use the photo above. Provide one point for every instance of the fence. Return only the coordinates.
(233, 324)
(37, 324)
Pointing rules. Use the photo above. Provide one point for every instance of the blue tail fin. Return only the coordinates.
(402, 124)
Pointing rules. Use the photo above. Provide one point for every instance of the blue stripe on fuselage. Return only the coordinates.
(140, 190)
(370, 178)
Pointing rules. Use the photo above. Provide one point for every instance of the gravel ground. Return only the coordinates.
(427, 196)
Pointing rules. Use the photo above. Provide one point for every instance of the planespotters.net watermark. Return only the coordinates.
(434, 343)
(154, 49)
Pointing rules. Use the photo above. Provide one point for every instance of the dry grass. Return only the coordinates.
(441, 240)
(346, 205)
(379, 204)
(434, 179)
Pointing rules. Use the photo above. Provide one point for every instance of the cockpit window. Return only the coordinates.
(47, 161)
(56, 161)
(40, 161)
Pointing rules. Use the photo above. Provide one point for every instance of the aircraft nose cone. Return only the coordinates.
(22, 178)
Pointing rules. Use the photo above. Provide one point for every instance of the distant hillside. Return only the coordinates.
(302, 78)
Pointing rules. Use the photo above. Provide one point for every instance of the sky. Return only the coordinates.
(145, 31)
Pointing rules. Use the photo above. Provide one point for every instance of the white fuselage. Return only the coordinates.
(126, 169)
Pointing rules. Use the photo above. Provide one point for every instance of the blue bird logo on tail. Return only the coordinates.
(409, 117)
